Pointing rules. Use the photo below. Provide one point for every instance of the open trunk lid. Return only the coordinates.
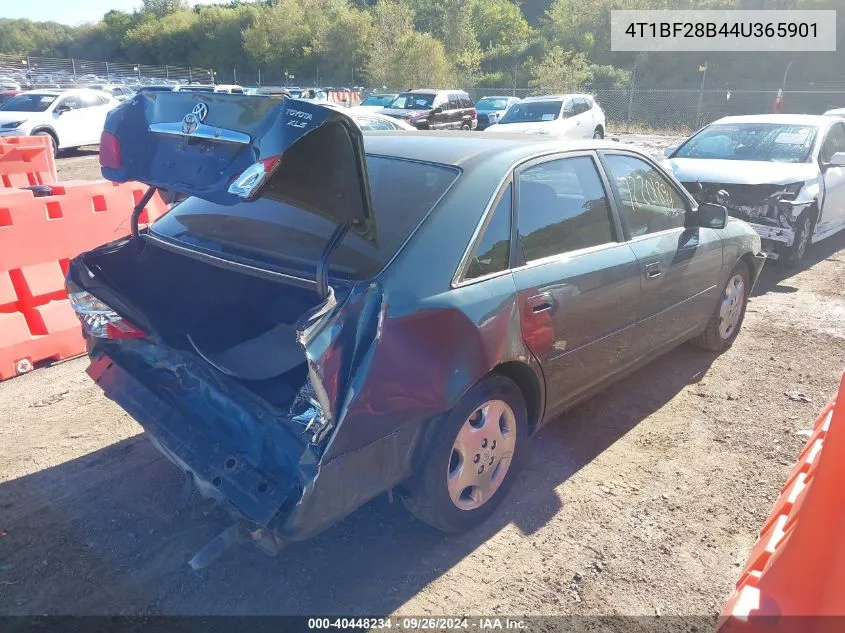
(223, 148)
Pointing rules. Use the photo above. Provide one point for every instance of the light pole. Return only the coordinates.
(785, 74)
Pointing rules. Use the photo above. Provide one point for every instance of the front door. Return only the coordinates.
(680, 267)
(832, 215)
(71, 124)
(579, 286)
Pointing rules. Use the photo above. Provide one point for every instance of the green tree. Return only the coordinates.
(560, 71)
(160, 8)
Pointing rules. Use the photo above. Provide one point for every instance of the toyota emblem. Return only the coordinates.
(190, 124)
(200, 111)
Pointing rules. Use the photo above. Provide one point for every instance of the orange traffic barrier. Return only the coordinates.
(38, 237)
(797, 567)
(26, 161)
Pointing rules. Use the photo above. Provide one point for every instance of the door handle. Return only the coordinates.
(653, 270)
(543, 302)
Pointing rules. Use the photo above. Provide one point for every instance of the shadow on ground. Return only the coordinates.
(104, 534)
(777, 275)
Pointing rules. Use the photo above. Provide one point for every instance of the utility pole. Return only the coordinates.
(703, 71)
(631, 96)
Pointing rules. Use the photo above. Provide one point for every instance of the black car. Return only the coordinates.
(347, 316)
(428, 109)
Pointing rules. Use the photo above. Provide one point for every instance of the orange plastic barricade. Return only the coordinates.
(38, 237)
(26, 161)
(794, 579)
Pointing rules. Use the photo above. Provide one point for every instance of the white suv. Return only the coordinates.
(71, 118)
(563, 116)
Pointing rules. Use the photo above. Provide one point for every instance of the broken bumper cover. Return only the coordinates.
(246, 459)
(774, 233)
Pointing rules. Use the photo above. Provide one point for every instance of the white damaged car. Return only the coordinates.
(782, 173)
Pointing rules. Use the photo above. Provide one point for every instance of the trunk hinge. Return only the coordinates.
(136, 212)
(323, 264)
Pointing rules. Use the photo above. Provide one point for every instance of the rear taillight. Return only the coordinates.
(474, 114)
(109, 150)
(253, 177)
(98, 319)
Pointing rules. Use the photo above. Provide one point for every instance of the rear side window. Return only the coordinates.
(281, 234)
(492, 251)
(562, 207)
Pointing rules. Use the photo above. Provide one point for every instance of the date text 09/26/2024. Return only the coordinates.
(417, 624)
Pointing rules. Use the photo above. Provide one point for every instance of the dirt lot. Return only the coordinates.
(645, 499)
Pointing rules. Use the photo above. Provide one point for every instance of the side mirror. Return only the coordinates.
(438, 110)
(61, 109)
(669, 150)
(837, 160)
(712, 216)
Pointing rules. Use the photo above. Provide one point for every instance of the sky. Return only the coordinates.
(70, 11)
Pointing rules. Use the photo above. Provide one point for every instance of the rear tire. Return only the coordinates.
(726, 320)
(473, 457)
(599, 132)
(466, 127)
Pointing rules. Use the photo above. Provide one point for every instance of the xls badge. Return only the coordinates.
(192, 120)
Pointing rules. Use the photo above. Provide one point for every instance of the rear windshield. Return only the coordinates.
(492, 103)
(532, 112)
(768, 142)
(273, 232)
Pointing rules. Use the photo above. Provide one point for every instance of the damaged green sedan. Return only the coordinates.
(324, 317)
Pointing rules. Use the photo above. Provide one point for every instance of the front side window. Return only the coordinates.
(492, 252)
(648, 203)
(834, 142)
(562, 207)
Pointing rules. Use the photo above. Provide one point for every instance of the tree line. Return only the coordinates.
(548, 44)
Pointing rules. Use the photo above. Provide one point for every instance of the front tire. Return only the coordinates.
(803, 234)
(598, 133)
(53, 142)
(726, 320)
(473, 457)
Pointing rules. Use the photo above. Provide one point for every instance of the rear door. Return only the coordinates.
(578, 281)
(567, 125)
(455, 110)
(680, 268)
(832, 216)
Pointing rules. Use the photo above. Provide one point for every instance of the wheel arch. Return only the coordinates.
(529, 384)
(49, 130)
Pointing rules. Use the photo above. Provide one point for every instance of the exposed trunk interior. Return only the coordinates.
(241, 324)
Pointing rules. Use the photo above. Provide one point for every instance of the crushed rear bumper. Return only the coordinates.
(254, 461)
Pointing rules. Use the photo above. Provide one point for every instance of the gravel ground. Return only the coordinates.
(644, 500)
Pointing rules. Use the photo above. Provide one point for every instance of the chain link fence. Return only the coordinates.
(48, 72)
(632, 109)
